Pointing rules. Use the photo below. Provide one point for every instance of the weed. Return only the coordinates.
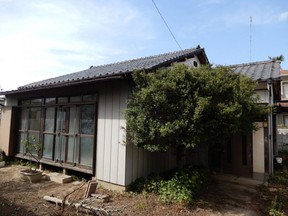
(175, 186)
(275, 208)
(141, 205)
(280, 177)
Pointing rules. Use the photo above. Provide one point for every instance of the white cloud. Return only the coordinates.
(40, 40)
(283, 16)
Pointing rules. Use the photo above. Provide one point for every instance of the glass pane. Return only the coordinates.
(73, 120)
(49, 119)
(37, 101)
(50, 100)
(24, 102)
(34, 118)
(75, 99)
(20, 145)
(70, 149)
(30, 137)
(89, 97)
(60, 148)
(61, 120)
(86, 151)
(285, 120)
(48, 146)
(23, 125)
(87, 119)
(57, 148)
(62, 100)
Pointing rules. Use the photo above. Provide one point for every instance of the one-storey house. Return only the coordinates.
(79, 119)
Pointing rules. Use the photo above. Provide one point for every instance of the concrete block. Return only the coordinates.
(91, 188)
(59, 178)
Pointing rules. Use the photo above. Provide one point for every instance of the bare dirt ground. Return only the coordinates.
(23, 198)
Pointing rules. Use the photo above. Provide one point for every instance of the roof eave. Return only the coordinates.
(64, 84)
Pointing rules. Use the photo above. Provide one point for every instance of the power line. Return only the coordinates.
(167, 25)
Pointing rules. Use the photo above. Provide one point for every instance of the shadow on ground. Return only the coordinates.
(229, 195)
(8, 208)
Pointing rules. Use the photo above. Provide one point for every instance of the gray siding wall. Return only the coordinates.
(140, 162)
(111, 149)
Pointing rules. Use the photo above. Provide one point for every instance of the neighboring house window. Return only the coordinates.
(285, 120)
(263, 95)
(284, 90)
(65, 126)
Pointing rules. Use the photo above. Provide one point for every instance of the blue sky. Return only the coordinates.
(43, 39)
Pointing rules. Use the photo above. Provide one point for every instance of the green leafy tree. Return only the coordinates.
(183, 107)
(279, 58)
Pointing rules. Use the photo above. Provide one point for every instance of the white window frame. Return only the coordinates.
(283, 95)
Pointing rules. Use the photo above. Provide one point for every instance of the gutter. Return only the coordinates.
(270, 128)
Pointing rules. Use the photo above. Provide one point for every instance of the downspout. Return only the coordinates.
(270, 127)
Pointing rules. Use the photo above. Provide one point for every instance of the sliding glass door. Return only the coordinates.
(75, 135)
(65, 126)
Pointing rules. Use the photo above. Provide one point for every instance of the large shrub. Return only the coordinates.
(182, 107)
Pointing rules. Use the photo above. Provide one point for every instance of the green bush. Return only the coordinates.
(175, 186)
(280, 177)
(275, 208)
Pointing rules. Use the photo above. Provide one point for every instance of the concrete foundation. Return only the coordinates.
(110, 186)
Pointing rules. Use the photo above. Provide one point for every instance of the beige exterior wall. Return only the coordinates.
(259, 152)
(190, 62)
(5, 129)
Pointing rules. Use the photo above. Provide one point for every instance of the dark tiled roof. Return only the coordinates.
(258, 71)
(110, 70)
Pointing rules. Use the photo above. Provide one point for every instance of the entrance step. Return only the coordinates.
(59, 178)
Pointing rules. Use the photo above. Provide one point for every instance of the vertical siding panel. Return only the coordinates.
(129, 167)
(145, 163)
(122, 135)
(115, 136)
(149, 163)
(100, 136)
(140, 170)
(135, 162)
(108, 138)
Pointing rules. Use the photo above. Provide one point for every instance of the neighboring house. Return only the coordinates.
(253, 154)
(79, 119)
(2, 103)
(282, 113)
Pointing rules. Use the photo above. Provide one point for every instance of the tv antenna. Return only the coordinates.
(250, 39)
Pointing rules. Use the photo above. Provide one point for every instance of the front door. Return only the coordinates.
(237, 156)
(75, 135)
